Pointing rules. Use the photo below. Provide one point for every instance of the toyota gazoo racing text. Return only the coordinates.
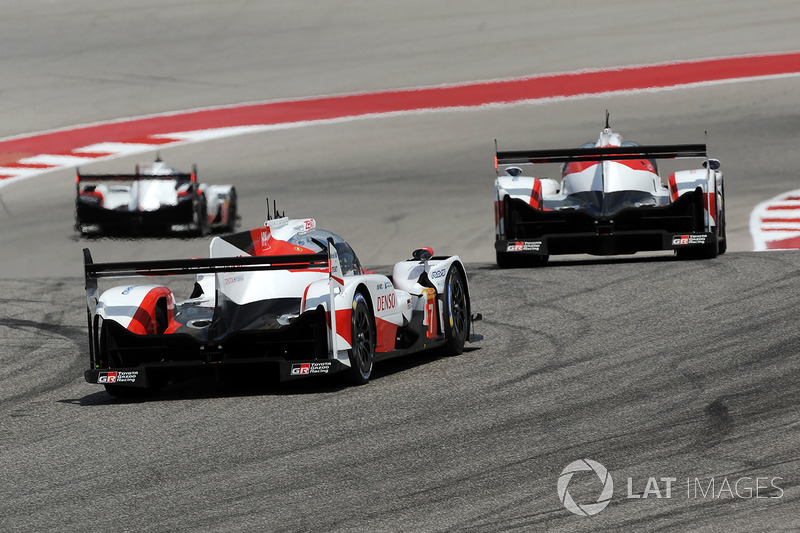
(610, 200)
(155, 198)
(263, 302)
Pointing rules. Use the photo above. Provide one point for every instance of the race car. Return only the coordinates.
(609, 200)
(155, 198)
(287, 298)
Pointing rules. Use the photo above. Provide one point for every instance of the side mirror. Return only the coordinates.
(514, 171)
(713, 164)
(422, 254)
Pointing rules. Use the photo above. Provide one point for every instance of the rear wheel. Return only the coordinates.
(232, 212)
(456, 312)
(200, 217)
(363, 341)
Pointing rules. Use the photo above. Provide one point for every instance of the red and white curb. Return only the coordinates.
(775, 224)
(26, 156)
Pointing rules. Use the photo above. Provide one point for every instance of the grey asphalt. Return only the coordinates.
(651, 366)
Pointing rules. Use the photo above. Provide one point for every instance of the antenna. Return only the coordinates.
(607, 115)
(268, 217)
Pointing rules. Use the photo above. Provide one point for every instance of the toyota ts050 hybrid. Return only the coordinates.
(610, 199)
(263, 302)
(155, 198)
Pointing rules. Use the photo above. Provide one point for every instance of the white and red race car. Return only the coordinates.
(610, 200)
(263, 302)
(155, 198)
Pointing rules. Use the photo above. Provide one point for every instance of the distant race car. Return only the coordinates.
(262, 302)
(610, 200)
(155, 198)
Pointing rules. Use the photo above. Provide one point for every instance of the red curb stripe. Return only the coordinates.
(468, 95)
(783, 207)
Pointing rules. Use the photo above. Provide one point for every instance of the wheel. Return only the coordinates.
(232, 212)
(723, 234)
(456, 312)
(363, 340)
(200, 217)
(517, 260)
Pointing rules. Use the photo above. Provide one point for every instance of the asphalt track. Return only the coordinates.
(653, 367)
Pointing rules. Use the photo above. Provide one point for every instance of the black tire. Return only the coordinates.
(723, 234)
(519, 260)
(363, 337)
(456, 312)
(200, 217)
(232, 212)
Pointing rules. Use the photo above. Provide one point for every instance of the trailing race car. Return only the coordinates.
(610, 200)
(155, 198)
(263, 301)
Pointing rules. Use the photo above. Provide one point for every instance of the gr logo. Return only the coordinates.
(586, 509)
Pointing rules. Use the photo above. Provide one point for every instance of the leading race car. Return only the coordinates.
(610, 200)
(263, 302)
(155, 198)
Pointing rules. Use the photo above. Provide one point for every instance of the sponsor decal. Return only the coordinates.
(117, 377)
(429, 318)
(128, 290)
(305, 369)
(439, 273)
(524, 246)
(387, 302)
(234, 279)
(683, 240)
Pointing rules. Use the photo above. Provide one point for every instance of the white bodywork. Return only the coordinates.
(393, 301)
(638, 177)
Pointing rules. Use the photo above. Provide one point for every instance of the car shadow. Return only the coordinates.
(227, 387)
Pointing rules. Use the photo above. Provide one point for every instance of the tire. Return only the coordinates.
(723, 234)
(456, 312)
(363, 341)
(200, 217)
(232, 212)
(518, 260)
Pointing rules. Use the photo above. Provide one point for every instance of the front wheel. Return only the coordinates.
(456, 312)
(362, 340)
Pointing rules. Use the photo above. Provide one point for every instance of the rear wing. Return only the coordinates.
(137, 175)
(176, 267)
(659, 151)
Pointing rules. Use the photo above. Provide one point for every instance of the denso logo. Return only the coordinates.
(387, 302)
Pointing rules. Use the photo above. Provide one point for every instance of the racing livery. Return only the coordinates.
(286, 297)
(610, 200)
(156, 198)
